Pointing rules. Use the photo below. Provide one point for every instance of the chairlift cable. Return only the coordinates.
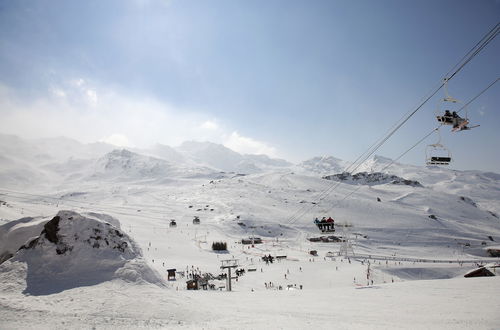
(301, 212)
(492, 33)
(483, 42)
(478, 47)
(420, 141)
(387, 166)
(478, 95)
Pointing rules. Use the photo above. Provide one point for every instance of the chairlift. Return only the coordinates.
(196, 220)
(325, 225)
(437, 154)
(173, 223)
(450, 115)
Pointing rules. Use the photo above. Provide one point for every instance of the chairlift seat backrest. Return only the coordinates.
(441, 159)
(450, 99)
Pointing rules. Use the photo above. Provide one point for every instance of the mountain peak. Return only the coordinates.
(324, 165)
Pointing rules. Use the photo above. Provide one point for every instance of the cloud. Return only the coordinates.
(247, 145)
(119, 140)
(209, 125)
(75, 91)
(58, 92)
(91, 96)
(90, 113)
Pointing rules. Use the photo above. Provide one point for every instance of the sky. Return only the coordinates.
(290, 79)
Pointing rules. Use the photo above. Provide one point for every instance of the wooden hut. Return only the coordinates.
(251, 240)
(197, 284)
(171, 274)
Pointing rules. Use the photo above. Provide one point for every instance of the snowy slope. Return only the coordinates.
(482, 187)
(16, 233)
(15, 172)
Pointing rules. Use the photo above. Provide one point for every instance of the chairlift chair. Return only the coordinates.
(450, 115)
(437, 154)
(324, 225)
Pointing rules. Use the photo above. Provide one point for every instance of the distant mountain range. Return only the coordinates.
(46, 159)
(56, 161)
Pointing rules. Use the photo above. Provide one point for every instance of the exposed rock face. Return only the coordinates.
(371, 179)
(51, 228)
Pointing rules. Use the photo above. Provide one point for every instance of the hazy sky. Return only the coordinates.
(291, 79)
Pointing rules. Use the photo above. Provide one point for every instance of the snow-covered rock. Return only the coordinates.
(371, 179)
(73, 250)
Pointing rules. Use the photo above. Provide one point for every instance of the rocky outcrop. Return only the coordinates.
(371, 179)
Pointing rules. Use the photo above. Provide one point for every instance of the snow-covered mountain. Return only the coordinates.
(49, 160)
(130, 166)
(167, 153)
(220, 157)
(50, 150)
(325, 165)
(123, 164)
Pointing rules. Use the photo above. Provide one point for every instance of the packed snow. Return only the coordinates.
(86, 240)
